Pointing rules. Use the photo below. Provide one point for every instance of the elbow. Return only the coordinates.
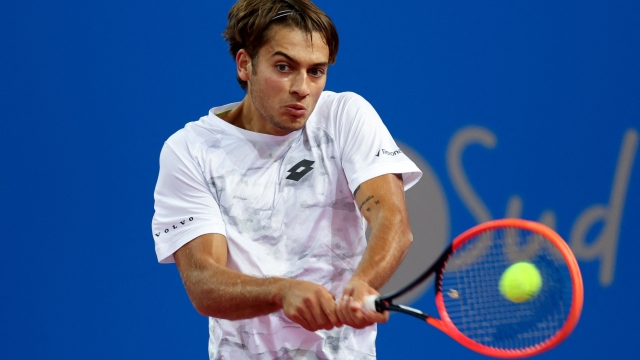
(407, 239)
(211, 311)
(206, 307)
(204, 311)
(404, 232)
(203, 308)
(202, 302)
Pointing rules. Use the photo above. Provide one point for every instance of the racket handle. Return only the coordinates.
(370, 302)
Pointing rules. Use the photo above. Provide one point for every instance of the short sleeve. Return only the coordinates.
(367, 148)
(185, 208)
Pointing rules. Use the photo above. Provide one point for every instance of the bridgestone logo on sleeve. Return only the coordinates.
(389, 153)
(300, 169)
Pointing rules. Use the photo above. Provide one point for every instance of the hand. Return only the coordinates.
(349, 306)
(309, 305)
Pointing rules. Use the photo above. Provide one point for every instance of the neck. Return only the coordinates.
(246, 116)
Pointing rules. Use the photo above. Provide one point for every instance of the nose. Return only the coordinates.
(300, 84)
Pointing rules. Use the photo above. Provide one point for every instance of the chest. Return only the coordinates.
(255, 181)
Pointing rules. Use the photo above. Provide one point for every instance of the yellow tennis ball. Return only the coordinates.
(520, 282)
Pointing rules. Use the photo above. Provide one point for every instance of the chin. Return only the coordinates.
(291, 123)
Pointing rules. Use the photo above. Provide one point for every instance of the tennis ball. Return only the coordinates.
(520, 282)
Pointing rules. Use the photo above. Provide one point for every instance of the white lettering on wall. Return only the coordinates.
(459, 142)
(604, 248)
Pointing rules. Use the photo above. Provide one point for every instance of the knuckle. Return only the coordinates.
(307, 301)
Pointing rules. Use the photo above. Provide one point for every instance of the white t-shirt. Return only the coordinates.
(286, 207)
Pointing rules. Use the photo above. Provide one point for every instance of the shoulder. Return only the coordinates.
(332, 101)
(195, 134)
(184, 140)
(337, 110)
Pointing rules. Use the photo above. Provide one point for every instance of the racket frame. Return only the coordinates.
(445, 324)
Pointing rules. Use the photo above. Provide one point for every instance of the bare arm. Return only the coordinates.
(381, 201)
(218, 291)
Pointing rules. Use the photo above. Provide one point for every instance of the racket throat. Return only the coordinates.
(408, 310)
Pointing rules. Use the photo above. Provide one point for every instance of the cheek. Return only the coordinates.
(267, 90)
(318, 87)
(274, 84)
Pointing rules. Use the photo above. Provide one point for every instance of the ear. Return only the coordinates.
(243, 64)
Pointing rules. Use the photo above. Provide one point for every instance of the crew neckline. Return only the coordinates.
(213, 116)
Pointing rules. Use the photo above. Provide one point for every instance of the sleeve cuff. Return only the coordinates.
(165, 251)
(410, 173)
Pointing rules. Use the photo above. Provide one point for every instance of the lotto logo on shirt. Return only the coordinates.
(300, 169)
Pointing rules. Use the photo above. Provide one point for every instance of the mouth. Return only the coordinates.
(297, 110)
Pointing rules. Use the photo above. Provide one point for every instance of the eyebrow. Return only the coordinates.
(324, 63)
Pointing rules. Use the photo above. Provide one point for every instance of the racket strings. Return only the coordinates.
(475, 306)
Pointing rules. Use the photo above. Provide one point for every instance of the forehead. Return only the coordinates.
(296, 43)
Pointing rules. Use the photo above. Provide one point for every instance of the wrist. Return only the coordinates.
(280, 287)
(359, 279)
(370, 281)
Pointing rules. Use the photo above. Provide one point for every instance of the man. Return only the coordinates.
(261, 203)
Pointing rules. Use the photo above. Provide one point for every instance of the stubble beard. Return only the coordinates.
(258, 99)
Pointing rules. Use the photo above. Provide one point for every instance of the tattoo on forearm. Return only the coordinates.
(366, 201)
(356, 191)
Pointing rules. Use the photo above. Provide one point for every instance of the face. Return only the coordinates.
(286, 79)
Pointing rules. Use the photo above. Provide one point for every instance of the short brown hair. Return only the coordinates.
(249, 21)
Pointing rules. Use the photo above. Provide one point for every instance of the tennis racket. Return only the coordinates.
(474, 312)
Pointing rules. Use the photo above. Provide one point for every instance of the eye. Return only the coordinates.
(316, 72)
(282, 67)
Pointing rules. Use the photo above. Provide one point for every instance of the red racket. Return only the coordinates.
(474, 312)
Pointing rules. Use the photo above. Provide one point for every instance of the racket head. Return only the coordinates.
(473, 311)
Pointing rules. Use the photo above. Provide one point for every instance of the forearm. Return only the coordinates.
(390, 238)
(220, 292)
(381, 201)
(388, 243)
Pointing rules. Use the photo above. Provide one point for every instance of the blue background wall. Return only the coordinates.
(90, 90)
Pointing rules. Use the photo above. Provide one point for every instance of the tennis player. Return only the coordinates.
(262, 203)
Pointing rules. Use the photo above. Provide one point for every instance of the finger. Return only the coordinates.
(356, 310)
(354, 314)
(355, 305)
(303, 312)
(339, 310)
(375, 317)
(370, 317)
(301, 321)
(329, 308)
(348, 290)
(346, 312)
(316, 314)
(321, 319)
